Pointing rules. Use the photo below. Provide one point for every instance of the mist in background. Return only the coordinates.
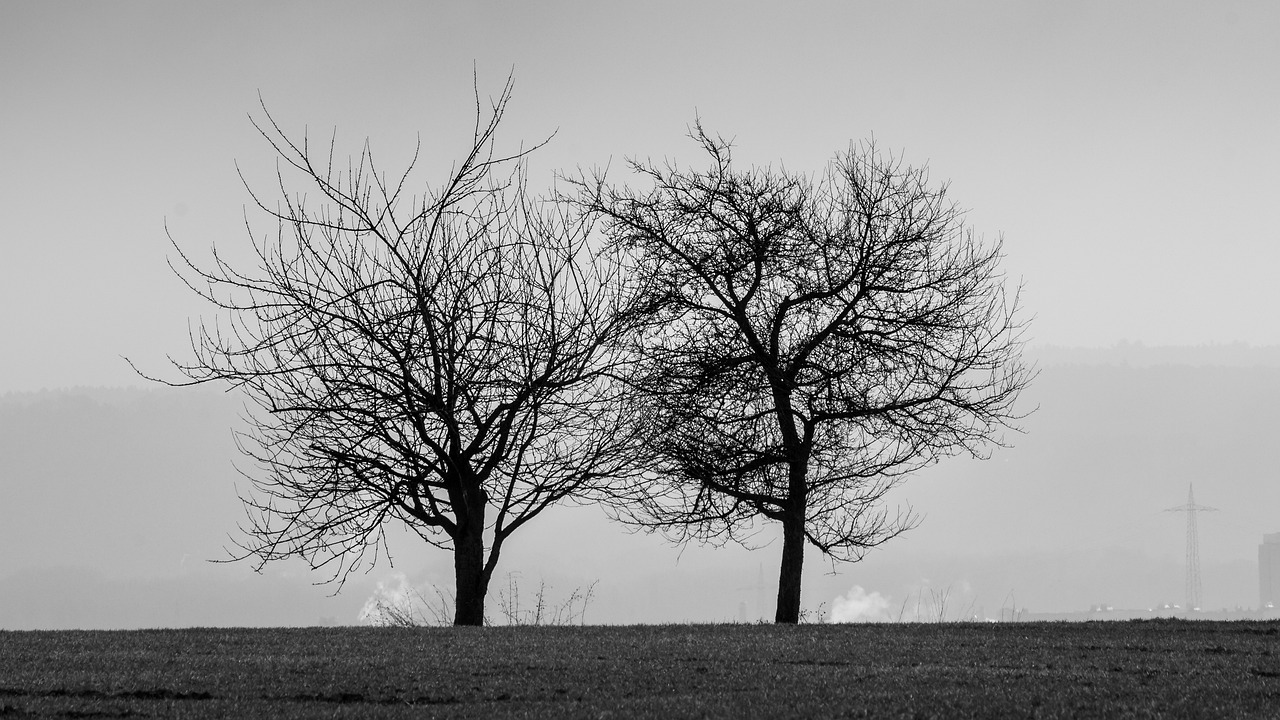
(116, 501)
(1126, 152)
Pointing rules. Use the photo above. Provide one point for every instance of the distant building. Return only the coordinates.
(1269, 570)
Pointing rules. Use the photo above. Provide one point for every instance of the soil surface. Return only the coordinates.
(1149, 669)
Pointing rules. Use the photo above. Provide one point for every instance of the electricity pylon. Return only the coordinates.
(1193, 547)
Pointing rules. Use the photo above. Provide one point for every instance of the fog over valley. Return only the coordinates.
(115, 501)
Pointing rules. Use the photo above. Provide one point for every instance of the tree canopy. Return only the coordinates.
(808, 344)
(742, 345)
(440, 359)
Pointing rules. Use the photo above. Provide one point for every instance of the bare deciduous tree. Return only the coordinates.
(809, 344)
(441, 360)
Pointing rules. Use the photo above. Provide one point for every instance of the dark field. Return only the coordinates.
(1133, 669)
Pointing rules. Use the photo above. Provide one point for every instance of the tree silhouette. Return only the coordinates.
(440, 360)
(808, 344)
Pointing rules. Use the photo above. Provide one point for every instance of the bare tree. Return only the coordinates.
(809, 343)
(441, 360)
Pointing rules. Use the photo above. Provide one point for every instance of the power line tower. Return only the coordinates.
(1193, 547)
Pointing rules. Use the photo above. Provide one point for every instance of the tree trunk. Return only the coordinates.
(792, 565)
(470, 575)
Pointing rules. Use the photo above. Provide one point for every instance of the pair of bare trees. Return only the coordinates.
(741, 345)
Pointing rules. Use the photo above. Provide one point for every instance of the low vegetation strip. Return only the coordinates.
(1037, 670)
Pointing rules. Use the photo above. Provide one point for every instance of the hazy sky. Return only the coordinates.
(1126, 151)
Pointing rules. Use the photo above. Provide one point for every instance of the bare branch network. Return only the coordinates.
(811, 344)
(740, 345)
(446, 366)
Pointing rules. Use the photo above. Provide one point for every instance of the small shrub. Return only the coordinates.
(400, 604)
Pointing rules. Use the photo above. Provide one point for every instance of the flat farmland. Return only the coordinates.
(1147, 669)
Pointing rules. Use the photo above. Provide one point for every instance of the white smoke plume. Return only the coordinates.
(392, 604)
(860, 606)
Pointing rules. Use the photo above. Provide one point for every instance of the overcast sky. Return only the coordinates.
(1126, 151)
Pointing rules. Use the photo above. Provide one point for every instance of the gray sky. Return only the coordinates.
(1127, 151)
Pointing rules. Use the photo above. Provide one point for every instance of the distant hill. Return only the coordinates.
(112, 500)
(1140, 355)
(126, 492)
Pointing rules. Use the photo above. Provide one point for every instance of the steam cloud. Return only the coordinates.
(859, 606)
(389, 602)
